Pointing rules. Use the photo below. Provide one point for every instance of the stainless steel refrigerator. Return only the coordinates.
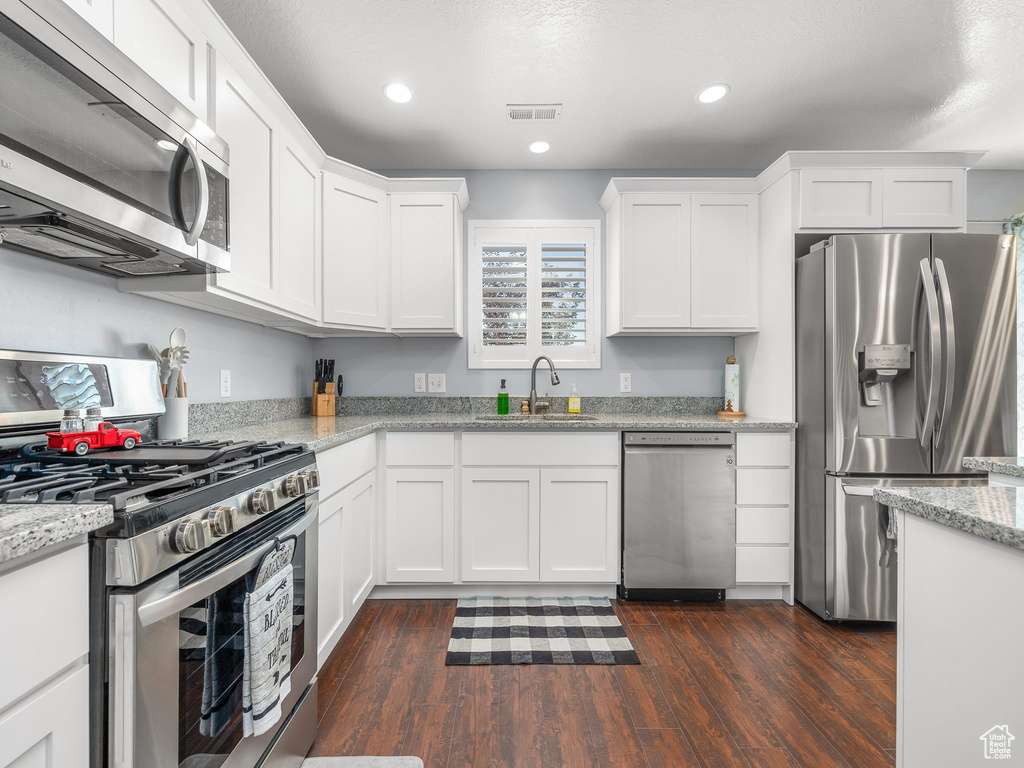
(906, 363)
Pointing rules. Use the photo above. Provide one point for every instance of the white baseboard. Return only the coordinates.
(441, 591)
(760, 592)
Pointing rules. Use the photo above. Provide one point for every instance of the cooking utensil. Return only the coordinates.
(165, 368)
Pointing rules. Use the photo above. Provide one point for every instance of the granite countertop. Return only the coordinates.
(991, 512)
(1000, 465)
(322, 433)
(24, 528)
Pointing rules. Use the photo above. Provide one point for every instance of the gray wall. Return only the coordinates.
(54, 308)
(660, 366)
(994, 194)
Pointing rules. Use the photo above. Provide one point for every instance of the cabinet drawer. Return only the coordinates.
(767, 525)
(768, 487)
(51, 728)
(346, 463)
(762, 565)
(772, 450)
(47, 601)
(540, 449)
(421, 449)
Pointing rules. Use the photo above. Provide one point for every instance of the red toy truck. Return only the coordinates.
(107, 436)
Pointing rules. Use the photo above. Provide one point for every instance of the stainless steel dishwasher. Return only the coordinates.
(678, 515)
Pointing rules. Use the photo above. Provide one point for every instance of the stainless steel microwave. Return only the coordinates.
(99, 166)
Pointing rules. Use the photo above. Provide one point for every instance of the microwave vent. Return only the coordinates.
(146, 267)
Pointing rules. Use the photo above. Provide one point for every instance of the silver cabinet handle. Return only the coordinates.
(168, 605)
(926, 422)
(203, 206)
(949, 356)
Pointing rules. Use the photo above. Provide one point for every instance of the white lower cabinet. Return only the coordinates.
(357, 538)
(764, 500)
(500, 524)
(420, 525)
(579, 525)
(332, 616)
(50, 729)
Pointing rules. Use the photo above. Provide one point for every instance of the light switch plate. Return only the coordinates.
(419, 382)
(625, 382)
(225, 382)
(435, 382)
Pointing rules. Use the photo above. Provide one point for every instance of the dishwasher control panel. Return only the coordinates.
(724, 439)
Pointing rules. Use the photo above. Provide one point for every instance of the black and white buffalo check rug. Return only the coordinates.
(538, 630)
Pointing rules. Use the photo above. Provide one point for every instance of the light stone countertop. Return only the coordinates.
(24, 528)
(1000, 465)
(991, 512)
(322, 433)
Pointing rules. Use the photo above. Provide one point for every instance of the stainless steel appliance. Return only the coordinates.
(99, 166)
(169, 575)
(678, 515)
(906, 363)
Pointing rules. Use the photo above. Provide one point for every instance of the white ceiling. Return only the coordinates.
(805, 74)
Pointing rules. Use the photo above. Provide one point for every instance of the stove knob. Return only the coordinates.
(261, 501)
(223, 520)
(191, 536)
(293, 485)
(312, 478)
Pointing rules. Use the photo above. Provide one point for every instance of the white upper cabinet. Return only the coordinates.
(356, 254)
(654, 277)
(931, 198)
(842, 199)
(299, 196)
(723, 265)
(681, 262)
(99, 13)
(244, 122)
(162, 39)
(426, 264)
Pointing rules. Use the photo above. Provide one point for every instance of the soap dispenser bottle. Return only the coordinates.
(574, 400)
(502, 399)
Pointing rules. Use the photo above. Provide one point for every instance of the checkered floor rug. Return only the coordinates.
(538, 630)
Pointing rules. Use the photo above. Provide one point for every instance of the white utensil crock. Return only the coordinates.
(173, 425)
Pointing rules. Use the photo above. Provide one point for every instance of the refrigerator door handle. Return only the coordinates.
(949, 358)
(926, 421)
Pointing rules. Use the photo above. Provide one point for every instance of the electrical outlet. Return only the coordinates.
(435, 382)
(225, 382)
(625, 382)
(419, 382)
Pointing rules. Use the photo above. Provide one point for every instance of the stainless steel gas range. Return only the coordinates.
(169, 575)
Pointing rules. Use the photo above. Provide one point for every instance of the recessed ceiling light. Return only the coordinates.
(397, 92)
(712, 93)
(539, 147)
(166, 144)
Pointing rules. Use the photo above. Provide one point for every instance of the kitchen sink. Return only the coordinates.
(537, 417)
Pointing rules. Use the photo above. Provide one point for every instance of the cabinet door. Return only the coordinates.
(420, 525)
(655, 264)
(358, 523)
(356, 254)
(423, 262)
(723, 261)
(50, 729)
(162, 39)
(99, 13)
(924, 197)
(841, 198)
(331, 604)
(579, 525)
(243, 122)
(299, 197)
(500, 524)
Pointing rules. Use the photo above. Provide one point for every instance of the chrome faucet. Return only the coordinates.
(533, 380)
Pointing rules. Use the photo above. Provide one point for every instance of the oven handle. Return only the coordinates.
(168, 605)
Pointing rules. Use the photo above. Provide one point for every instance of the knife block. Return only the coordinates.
(323, 405)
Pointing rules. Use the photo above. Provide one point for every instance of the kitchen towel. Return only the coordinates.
(221, 660)
(266, 674)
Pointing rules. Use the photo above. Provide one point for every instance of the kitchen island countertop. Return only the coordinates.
(997, 465)
(322, 433)
(25, 528)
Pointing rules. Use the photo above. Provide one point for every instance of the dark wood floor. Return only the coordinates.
(750, 684)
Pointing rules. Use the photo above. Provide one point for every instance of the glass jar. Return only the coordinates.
(93, 417)
(72, 421)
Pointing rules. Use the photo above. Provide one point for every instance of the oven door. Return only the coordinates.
(176, 653)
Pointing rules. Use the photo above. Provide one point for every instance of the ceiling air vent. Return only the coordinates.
(533, 113)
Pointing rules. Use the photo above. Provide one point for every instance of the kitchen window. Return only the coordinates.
(534, 291)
